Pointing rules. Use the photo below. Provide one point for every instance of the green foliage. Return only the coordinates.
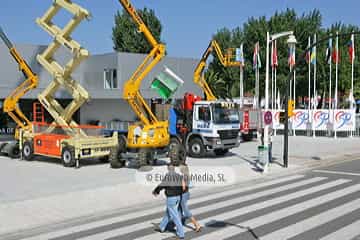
(217, 83)
(303, 26)
(125, 34)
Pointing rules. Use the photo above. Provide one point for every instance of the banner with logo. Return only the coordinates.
(276, 119)
(322, 119)
(300, 120)
(344, 120)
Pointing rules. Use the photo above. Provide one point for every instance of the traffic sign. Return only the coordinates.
(268, 118)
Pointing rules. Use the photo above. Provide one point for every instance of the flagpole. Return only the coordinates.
(352, 67)
(336, 77)
(241, 75)
(272, 75)
(315, 100)
(309, 86)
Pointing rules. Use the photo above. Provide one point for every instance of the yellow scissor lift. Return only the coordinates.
(64, 138)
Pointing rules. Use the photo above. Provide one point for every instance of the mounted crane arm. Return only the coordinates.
(11, 102)
(154, 133)
(226, 60)
(132, 86)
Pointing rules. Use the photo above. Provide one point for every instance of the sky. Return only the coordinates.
(188, 25)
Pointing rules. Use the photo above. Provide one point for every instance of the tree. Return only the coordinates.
(125, 35)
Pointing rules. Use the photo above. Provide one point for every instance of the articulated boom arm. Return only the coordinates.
(11, 102)
(132, 86)
(226, 60)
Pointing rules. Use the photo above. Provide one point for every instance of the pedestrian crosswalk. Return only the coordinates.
(293, 207)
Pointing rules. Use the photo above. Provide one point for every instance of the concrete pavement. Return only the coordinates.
(33, 194)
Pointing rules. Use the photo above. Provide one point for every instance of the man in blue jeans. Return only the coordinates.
(172, 184)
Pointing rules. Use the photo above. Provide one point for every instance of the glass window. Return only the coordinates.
(225, 114)
(204, 114)
(110, 79)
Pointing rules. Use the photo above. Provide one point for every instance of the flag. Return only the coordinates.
(351, 48)
(256, 56)
(274, 58)
(291, 58)
(240, 55)
(329, 51)
(166, 83)
(313, 55)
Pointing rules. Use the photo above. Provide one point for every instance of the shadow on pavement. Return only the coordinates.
(223, 224)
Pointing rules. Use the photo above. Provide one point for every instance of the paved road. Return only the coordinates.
(319, 204)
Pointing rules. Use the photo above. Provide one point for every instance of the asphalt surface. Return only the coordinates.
(321, 203)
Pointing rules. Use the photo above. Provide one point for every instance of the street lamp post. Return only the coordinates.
(291, 43)
(269, 39)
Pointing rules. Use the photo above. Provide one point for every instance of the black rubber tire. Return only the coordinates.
(173, 141)
(221, 152)
(151, 160)
(115, 158)
(247, 137)
(177, 155)
(122, 143)
(14, 151)
(196, 148)
(68, 157)
(142, 158)
(104, 159)
(28, 150)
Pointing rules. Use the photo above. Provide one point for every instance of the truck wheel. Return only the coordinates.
(151, 160)
(247, 137)
(221, 152)
(28, 150)
(142, 158)
(115, 158)
(177, 155)
(196, 148)
(122, 143)
(14, 151)
(68, 157)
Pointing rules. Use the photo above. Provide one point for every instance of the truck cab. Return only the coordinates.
(215, 127)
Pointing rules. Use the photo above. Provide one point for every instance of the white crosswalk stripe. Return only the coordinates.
(160, 209)
(314, 221)
(349, 232)
(143, 225)
(276, 215)
(296, 187)
(255, 207)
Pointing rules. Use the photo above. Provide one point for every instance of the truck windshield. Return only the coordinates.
(225, 114)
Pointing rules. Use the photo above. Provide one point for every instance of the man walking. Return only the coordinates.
(172, 184)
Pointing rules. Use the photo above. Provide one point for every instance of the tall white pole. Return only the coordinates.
(272, 76)
(330, 83)
(241, 78)
(315, 100)
(309, 86)
(336, 77)
(352, 69)
(266, 127)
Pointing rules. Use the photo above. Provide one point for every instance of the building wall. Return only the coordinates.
(104, 104)
(106, 110)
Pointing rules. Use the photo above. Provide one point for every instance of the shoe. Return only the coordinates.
(157, 229)
(198, 229)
